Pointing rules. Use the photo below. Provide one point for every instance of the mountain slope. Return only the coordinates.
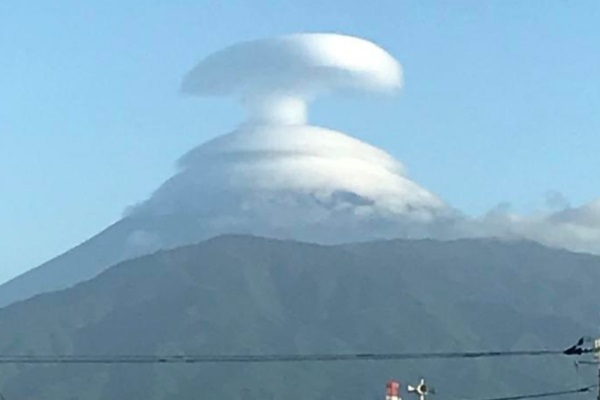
(128, 238)
(247, 295)
(286, 215)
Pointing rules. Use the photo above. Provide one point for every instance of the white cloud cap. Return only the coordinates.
(275, 78)
(300, 182)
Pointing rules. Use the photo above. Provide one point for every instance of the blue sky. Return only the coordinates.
(500, 103)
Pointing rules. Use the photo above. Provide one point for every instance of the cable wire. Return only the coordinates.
(545, 394)
(275, 358)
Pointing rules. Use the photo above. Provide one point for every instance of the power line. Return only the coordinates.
(275, 358)
(545, 394)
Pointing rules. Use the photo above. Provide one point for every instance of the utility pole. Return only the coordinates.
(595, 350)
(597, 356)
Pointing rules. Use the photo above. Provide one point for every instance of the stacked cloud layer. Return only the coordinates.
(300, 182)
(278, 176)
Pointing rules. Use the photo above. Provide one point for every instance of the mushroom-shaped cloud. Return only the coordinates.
(280, 177)
(275, 78)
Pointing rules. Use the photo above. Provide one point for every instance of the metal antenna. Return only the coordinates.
(421, 390)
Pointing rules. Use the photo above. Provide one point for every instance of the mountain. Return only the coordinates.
(250, 295)
(289, 182)
(126, 239)
(275, 175)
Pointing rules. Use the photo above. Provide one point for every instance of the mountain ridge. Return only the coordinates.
(237, 294)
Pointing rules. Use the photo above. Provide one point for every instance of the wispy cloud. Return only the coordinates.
(573, 228)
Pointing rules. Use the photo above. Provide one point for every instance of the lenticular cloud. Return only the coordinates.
(275, 78)
(298, 182)
(278, 176)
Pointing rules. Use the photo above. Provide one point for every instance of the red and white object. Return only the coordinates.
(392, 390)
